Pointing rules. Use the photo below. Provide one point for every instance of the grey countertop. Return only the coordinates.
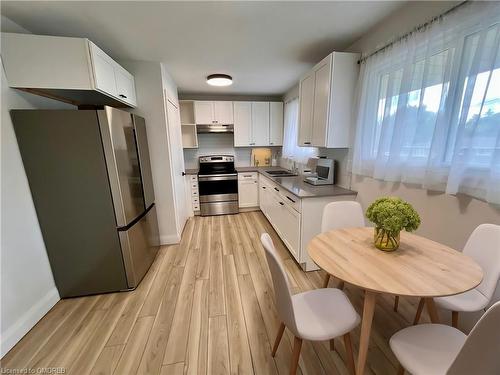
(294, 185)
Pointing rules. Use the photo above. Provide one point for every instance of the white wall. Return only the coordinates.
(445, 218)
(150, 105)
(28, 290)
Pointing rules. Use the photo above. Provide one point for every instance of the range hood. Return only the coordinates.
(215, 128)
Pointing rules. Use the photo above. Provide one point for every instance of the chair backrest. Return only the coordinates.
(483, 246)
(345, 214)
(481, 351)
(280, 281)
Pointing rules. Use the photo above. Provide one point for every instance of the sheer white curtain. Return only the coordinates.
(429, 107)
(291, 132)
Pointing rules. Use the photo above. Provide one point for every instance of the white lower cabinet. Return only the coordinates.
(192, 195)
(295, 220)
(248, 189)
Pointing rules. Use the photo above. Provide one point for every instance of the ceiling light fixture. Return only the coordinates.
(219, 80)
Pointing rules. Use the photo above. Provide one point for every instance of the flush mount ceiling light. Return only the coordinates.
(219, 80)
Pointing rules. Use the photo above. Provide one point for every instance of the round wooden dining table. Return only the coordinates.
(418, 268)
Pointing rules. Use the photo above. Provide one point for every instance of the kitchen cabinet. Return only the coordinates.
(192, 195)
(213, 112)
(258, 124)
(296, 220)
(243, 124)
(248, 189)
(73, 70)
(326, 96)
(276, 123)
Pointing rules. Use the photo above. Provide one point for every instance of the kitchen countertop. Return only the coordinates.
(294, 185)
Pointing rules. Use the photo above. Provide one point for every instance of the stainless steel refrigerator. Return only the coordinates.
(90, 178)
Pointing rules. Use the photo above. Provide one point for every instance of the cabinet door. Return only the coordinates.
(260, 123)
(248, 193)
(125, 85)
(242, 124)
(306, 103)
(104, 71)
(263, 195)
(322, 79)
(223, 113)
(290, 229)
(204, 112)
(275, 123)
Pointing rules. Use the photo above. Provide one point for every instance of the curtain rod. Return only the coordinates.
(415, 30)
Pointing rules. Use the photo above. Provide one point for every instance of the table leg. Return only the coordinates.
(366, 327)
(431, 310)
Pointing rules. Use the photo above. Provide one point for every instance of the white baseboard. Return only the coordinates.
(26, 321)
(169, 239)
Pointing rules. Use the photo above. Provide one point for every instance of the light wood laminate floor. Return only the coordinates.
(206, 306)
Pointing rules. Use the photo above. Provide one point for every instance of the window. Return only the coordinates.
(291, 150)
(429, 108)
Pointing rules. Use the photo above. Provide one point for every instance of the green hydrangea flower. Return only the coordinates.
(392, 214)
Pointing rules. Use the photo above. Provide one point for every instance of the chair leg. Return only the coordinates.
(297, 345)
(326, 280)
(396, 303)
(454, 319)
(401, 370)
(420, 308)
(350, 355)
(332, 345)
(281, 329)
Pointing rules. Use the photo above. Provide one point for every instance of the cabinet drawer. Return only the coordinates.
(194, 185)
(195, 193)
(248, 176)
(195, 200)
(290, 199)
(193, 178)
(196, 207)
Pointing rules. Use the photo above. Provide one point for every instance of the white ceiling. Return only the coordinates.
(265, 46)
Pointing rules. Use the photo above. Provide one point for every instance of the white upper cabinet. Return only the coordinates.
(276, 123)
(223, 112)
(306, 95)
(204, 113)
(258, 124)
(125, 85)
(326, 99)
(73, 70)
(242, 124)
(208, 112)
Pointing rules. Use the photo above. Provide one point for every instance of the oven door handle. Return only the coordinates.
(218, 177)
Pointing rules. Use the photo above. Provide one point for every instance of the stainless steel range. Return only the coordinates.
(218, 185)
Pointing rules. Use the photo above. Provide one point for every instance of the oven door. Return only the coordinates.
(218, 187)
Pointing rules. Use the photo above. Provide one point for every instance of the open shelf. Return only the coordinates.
(189, 136)
(187, 111)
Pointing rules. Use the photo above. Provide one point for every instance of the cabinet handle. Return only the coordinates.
(263, 187)
(290, 199)
(281, 203)
(123, 96)
(276, 189)
(251, 144)
(247, 175)
(271, 143)
(307, 143)
(183, 173)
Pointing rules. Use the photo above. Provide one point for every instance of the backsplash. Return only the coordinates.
(215, 144)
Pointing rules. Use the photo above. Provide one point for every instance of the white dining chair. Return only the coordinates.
(483, 246)
(316, 315)
(337, 215)
(438, 349)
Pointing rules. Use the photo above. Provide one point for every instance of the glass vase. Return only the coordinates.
(384, 240)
